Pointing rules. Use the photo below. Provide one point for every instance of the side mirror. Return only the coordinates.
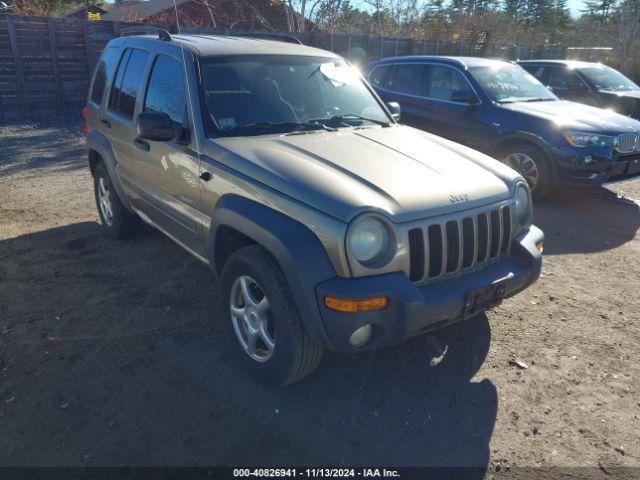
(464, 96)
(155, 126)
(394, 108)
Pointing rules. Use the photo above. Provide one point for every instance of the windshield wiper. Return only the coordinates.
(261, 127)
(517, 100)
(346, 116)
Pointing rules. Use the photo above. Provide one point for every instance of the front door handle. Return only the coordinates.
(106, 123)
(141, 144)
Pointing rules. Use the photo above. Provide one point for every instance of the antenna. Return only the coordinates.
(186, 78)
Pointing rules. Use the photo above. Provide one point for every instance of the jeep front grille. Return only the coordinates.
(446, 248)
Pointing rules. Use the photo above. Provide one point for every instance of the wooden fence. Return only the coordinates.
(46, 63)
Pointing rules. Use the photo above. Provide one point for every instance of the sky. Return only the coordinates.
(576, 6)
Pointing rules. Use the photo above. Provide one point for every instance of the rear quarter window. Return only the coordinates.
(103, 73)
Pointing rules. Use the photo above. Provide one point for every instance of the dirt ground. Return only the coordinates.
(111, 353)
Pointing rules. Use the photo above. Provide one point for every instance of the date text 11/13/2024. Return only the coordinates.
(316, 472)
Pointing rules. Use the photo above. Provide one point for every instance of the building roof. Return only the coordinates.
(80, 8)
(218, 45)
(140, 10)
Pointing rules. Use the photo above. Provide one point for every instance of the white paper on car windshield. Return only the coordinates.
(339, 73)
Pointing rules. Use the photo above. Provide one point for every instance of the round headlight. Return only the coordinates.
(368, 240)
(523, 205)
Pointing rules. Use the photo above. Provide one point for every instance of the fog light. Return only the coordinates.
(587, 160)
(540, 246)
(361, 336)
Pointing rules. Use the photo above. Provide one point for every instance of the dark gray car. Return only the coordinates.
(328, 224)
(588, 82)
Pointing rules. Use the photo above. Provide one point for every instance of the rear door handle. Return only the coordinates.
(141, 144)
(106, 123)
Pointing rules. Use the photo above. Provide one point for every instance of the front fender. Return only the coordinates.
(297, 250)
(524, 137)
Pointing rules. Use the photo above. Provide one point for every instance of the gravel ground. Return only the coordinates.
(111, 353)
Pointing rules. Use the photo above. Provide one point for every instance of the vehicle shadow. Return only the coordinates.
(115, 355)
(414, 404)
(24, 148)
(585, 221)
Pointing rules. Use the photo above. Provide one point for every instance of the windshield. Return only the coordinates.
(251, 95)
(506, 83)
(606, 78)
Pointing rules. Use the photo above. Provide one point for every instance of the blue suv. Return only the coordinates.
(498, 108)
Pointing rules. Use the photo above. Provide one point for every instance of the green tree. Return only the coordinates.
(600, 10)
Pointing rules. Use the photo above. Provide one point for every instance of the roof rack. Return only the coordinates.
(162, 33)
(278, 37)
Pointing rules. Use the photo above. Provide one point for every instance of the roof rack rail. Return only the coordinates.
(278, 37)
(142, 30)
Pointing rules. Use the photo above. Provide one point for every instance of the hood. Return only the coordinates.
(399, 171)
(626, 102)
(576, 116)
(624, 94)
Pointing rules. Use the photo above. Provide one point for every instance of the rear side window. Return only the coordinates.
(409, 79)
(103, 73)
(165, 92)
(127, 82)
(444, 81)
(378, 75)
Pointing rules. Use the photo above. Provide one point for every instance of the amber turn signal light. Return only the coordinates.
(540, 246)
(352, 306)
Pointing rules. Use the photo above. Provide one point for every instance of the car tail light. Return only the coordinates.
(85, 115)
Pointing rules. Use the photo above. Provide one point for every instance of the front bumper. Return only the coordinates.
(604, 165)
(413, 309)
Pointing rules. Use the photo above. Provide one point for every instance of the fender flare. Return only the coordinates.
(99, 143)
(295, 247)
(525, 137)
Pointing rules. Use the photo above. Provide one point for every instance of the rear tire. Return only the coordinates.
(264, 326)
(116, 220)
(530, 162)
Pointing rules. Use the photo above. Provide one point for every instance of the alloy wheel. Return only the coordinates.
(251, 318)
(525, 166)
(104, 200)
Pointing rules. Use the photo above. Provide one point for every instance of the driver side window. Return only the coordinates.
(166, 90)
(443, 82)
(563, 78)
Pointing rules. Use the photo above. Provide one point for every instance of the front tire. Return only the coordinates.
(530, 162)
(117, 221)
(262, 321)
